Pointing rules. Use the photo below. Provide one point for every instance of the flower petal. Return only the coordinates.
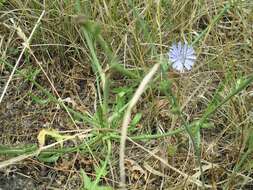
(188, 64)
(178, 66)
(182, 56)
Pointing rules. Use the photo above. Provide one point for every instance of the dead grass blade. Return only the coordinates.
(127, 118)
(26, 46)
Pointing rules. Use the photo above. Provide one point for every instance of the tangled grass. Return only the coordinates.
(89, 99)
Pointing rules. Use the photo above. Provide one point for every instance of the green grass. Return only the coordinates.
(96, 53)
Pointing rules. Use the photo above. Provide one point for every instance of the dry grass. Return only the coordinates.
(84, 64)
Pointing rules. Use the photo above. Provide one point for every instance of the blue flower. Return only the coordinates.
(182, 56)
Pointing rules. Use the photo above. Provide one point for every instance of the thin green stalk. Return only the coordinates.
(156, 136)
(173, 100)
(234, 92)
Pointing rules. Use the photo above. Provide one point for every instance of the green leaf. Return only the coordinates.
(86, 180)
(195, 131)
(171, 150)
(13, 151)
(102, 170)
(39, 100)
(90, 185)
(136, 120)
(250, 140)
(92, 27)
(49, 157)
(31, 73)
(165, 65)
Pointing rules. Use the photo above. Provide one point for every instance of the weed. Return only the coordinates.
(92, 87)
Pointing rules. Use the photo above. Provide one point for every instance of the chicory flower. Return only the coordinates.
(182, 56)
